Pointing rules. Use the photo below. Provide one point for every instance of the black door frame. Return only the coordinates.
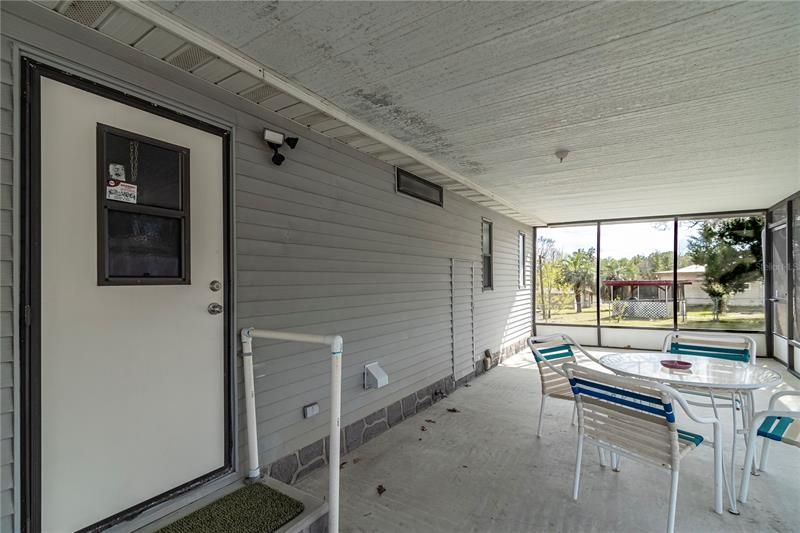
(30, 290)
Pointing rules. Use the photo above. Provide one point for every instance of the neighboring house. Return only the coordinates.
(752, 296)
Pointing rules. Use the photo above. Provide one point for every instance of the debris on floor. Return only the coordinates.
(356, 460)
(423, 428)
(342, 465)
(452, 410)
(429, 421)
(381, 490)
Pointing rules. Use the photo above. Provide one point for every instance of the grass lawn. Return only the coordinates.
(694, 320)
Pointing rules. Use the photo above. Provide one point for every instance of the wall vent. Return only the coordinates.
(190, 57)
(87, 12)
(413, 185)
(260, 93)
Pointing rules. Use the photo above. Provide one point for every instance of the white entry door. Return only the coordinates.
(132, 255)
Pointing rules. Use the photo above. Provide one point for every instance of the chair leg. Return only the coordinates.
(615, 462)
(541, 415)
(673, 501)
(602, 454)
(719, 470)
(574, 412)
(578, 468)
(764, 455)
(748, 459)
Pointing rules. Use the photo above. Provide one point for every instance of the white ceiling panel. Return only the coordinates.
(159, 43)
(215, 70)
(665, 107)
(124, 26)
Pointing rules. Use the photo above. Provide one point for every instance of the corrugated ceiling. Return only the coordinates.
(113, 20)
(665, 107)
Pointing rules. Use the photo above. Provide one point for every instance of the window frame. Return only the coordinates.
(104, 206)
(676, 218)
(490, 285)
(400, 173)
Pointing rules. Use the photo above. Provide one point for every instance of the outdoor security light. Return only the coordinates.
(275, 140)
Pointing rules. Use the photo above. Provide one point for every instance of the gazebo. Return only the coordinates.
(653, 304)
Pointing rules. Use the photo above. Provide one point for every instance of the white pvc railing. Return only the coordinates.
(335, 342)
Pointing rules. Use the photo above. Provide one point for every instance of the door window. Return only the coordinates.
(143, 210)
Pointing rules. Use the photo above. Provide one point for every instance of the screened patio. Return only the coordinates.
(467, 244)
(483, 469)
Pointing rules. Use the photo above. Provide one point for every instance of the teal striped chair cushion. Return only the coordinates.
(554, 352)
(781, 428)
(731, 354)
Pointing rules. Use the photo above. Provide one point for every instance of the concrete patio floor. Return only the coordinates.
(483, 469)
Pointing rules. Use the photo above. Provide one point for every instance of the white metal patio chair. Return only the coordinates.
(725, 346)
(730, 347)
(780, 425)
(550, 352)
(635, 418)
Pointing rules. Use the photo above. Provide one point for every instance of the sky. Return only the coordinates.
(621, 240)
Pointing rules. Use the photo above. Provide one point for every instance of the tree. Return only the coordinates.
(577, 271)
(547, 260)
(731, 251)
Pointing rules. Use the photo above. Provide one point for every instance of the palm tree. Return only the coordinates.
(577, 271)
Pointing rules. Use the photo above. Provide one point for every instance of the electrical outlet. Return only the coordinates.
(310, 410)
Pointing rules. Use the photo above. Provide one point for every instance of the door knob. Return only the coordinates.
(214, 308)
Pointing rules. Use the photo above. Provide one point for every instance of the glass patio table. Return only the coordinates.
(718, 378)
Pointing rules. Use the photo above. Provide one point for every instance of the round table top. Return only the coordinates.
(706, 372)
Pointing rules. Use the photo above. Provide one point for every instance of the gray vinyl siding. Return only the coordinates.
(323, 244)
(6, 290)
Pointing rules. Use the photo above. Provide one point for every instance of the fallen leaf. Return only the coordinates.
(381, 489)
(429, 421)
(423, 428)
(452, 410)
(463, 466)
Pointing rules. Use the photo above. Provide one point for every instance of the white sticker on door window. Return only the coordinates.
(121, 191)
(116, 172)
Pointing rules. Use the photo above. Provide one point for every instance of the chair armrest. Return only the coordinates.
(775, 412)
(688, 410)
(781, 394)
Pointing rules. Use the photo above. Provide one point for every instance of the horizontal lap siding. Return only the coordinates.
(6, 291)
(503, 314)
(325, 245)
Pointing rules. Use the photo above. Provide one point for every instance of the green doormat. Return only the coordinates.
(255, 508)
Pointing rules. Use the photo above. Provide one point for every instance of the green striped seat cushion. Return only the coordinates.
(731, 354)
(781, 428)
(555, 352)
(692, 438)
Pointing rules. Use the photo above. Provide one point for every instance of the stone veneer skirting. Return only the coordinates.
(299, 464)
